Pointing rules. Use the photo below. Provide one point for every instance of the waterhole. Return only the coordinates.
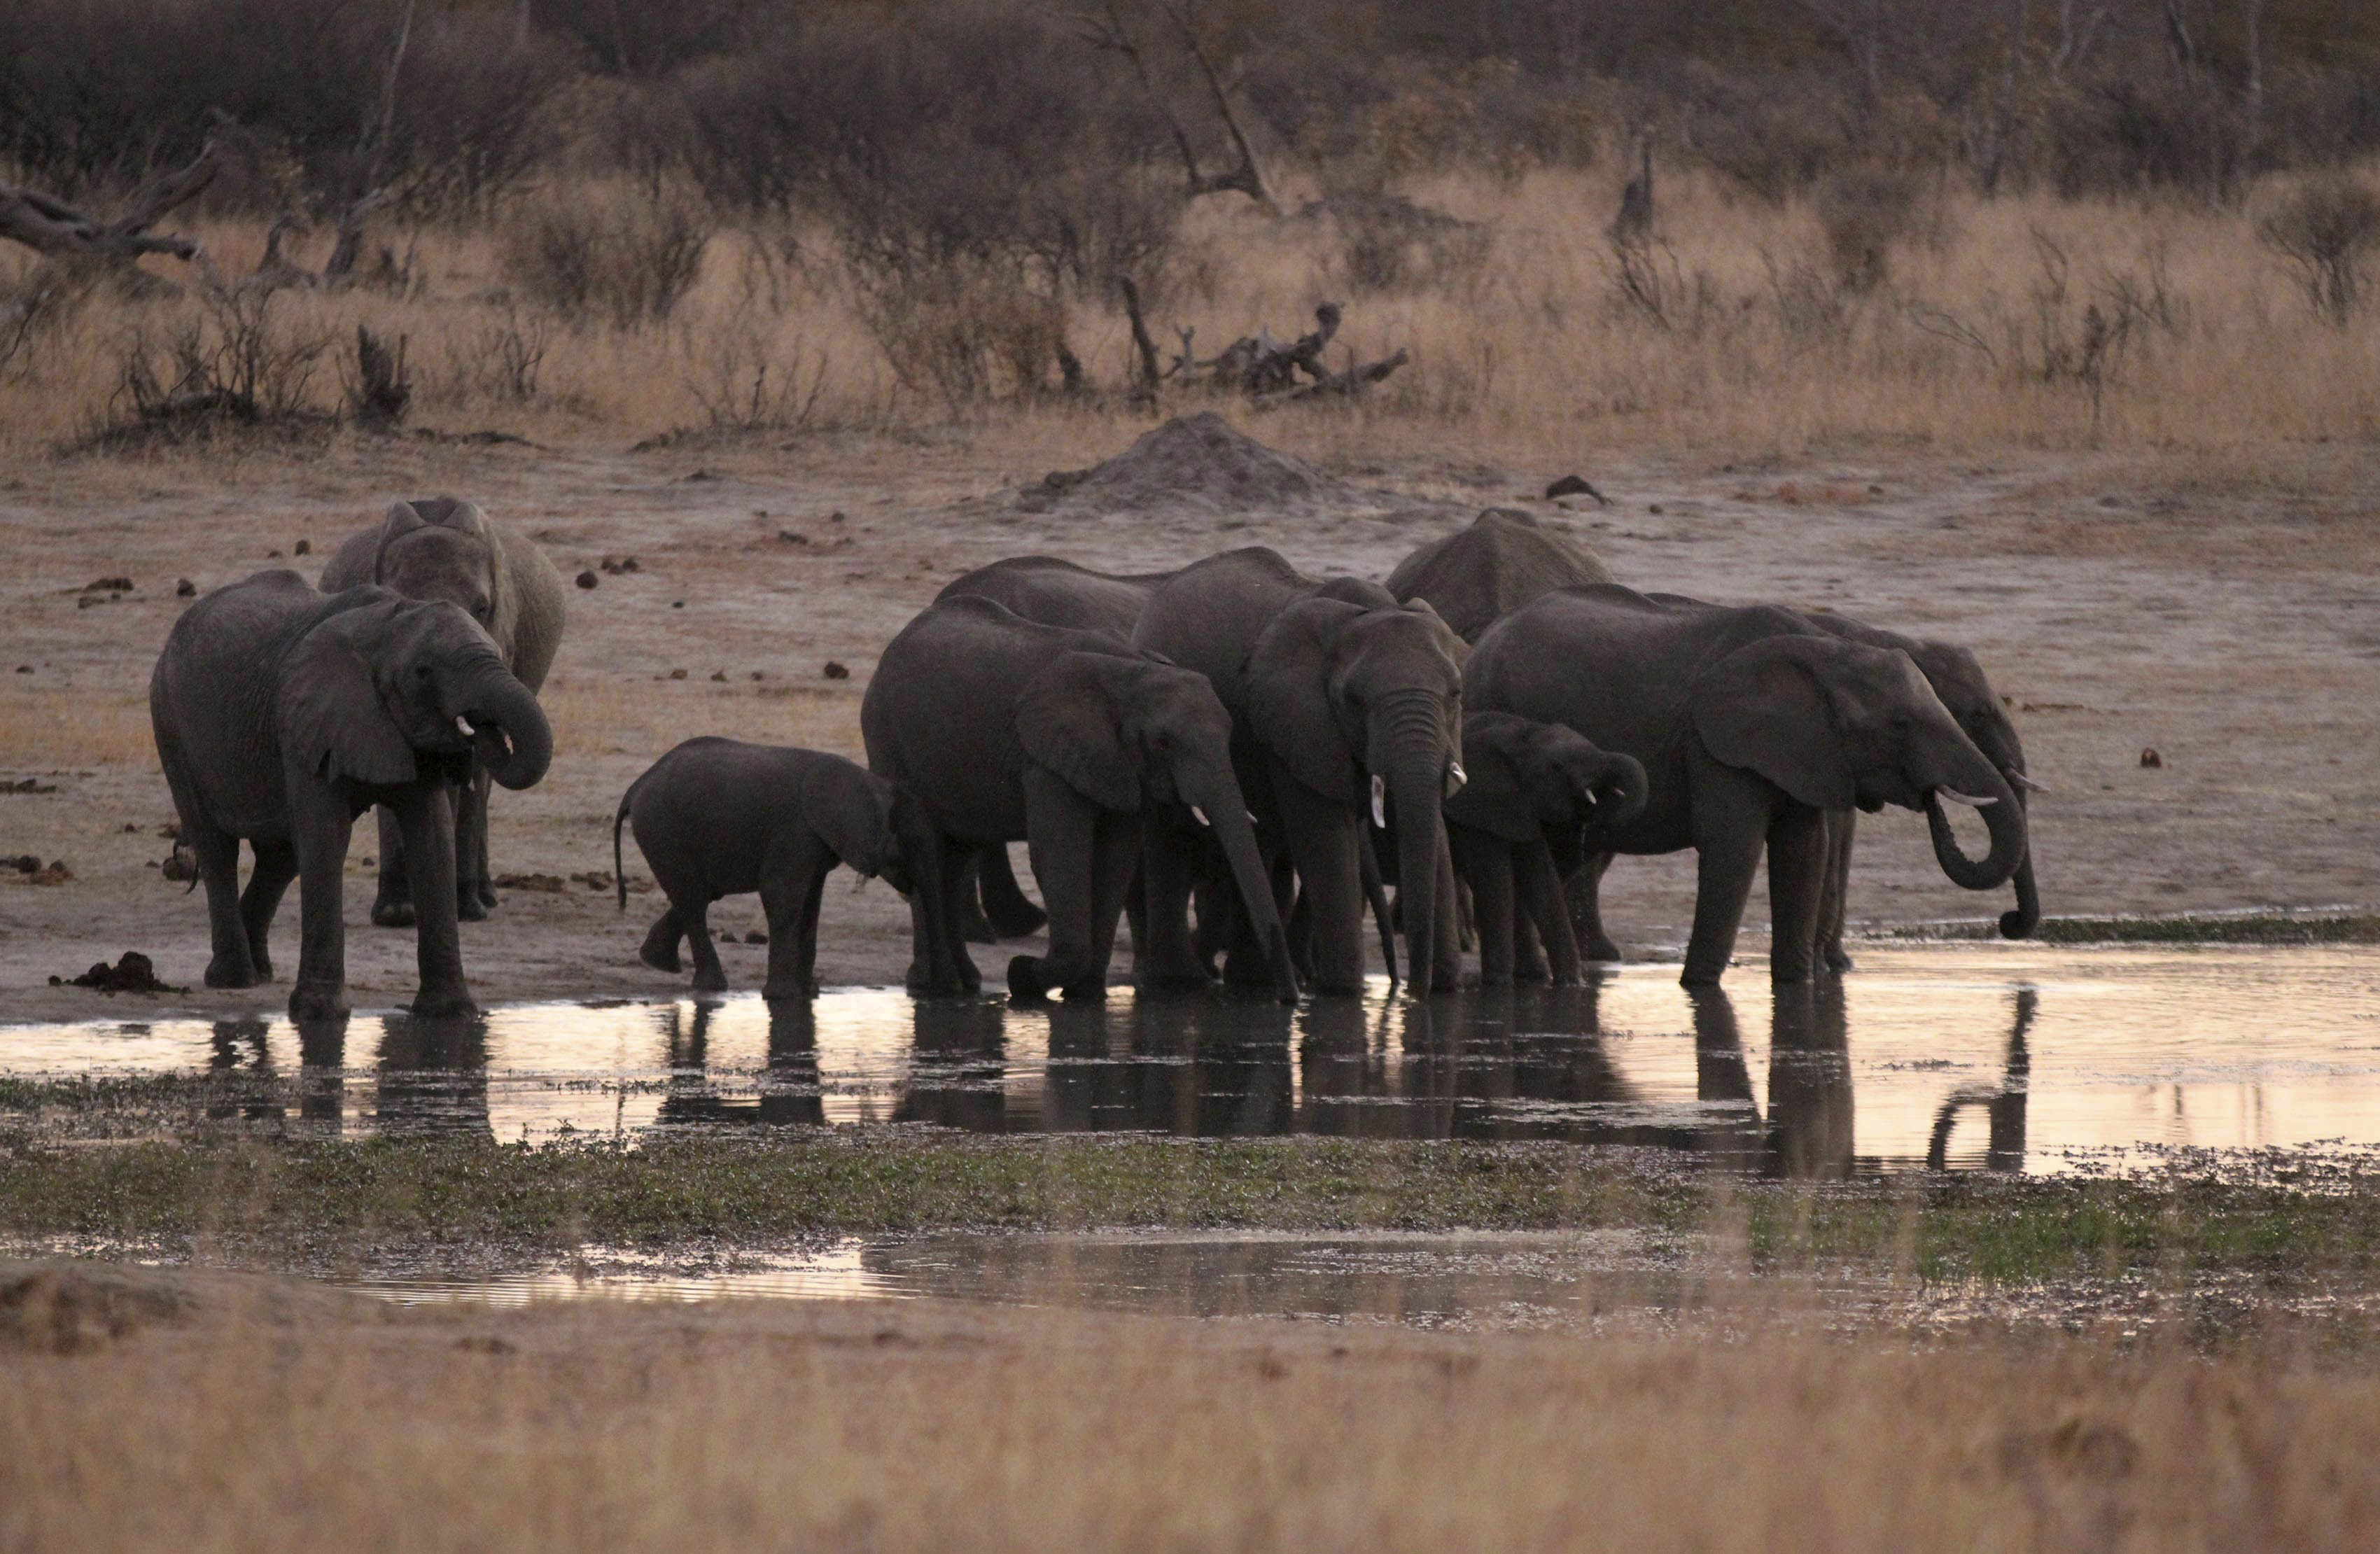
(2012, 1058)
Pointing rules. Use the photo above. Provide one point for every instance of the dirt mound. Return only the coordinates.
(1198, 461)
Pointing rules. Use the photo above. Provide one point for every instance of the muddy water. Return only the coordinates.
(2012, 1058)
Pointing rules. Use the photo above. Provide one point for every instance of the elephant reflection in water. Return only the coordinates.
(432, 1076)
(789, 1093)
(321, 1081)
(2003, 1106)
(227, 1100)
(1201, 1067)
(959, 1073)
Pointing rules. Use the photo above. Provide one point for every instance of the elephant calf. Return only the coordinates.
(1538, 793)
(281, 715)
(717, 817)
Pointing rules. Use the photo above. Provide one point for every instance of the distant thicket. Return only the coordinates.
(910, 118)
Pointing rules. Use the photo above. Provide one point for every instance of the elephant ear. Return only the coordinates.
(1286, 691)
(1069, 720)
(852, 813)
(333, 721)
(1496, 799)
(403, 517)
(1765, 707)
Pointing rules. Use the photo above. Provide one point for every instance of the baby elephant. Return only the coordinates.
(719, 816)
(1538, 794)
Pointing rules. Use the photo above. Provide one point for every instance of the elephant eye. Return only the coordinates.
(421, 672)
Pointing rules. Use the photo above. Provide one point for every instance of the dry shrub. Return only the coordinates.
(1388, 243)
(1863, 214)
(238, 358)
(627, 261)
(2326, 231)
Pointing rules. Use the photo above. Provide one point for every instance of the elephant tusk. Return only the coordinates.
(1589, 797)
(462, 725)
(2018, 779)
(1970, 800)
(1379, 803)
(1455, 778)
(1198, 815)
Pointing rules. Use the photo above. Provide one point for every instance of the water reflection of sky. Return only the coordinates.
(2013, 1056)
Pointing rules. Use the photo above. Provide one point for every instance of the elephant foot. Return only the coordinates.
(435, 1003)
(711, 981)
(659, 949)
(788, 993)
(487, 894)
(1839, 962)
(468, 907)
(1191, 978)
(1599, 948)
(1026, 983)
(395, 914)
(224, 971)
(319, 1001)
(922, 982)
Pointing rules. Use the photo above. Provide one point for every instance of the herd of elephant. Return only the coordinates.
(1241, 758)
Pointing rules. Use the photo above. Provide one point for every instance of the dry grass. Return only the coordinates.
(1979, 335)
(753, 1424)
(599, 717)
(56, 727)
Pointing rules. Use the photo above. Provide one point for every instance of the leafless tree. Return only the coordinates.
(1106, 29)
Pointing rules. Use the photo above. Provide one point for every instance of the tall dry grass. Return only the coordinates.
(759, 1426)
(2025, 321)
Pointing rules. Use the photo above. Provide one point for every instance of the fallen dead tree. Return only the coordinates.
(68, 237)
(1257, 367)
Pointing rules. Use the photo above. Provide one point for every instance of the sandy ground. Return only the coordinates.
(2229, 620)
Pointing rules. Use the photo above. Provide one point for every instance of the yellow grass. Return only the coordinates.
(753, 1424)
(1534, 351)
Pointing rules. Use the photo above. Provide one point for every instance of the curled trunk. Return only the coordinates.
(2004, 818)
(2025, 919)
(509, 732)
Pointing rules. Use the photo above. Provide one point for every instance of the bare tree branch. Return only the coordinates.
(1248, 176)
(59, 231)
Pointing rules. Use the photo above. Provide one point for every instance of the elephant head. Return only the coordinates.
(1958, 681)
(1365, 707)
(1529, 780)
(875, 827)
(1127, 729)
(442, 548)
(391, 689)
(1835, 723)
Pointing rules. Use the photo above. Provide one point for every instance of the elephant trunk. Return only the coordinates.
(1619, 794)
(2003, 817)
(1412, 746)
(509, 731)
(1218, 797)
(2025, 919)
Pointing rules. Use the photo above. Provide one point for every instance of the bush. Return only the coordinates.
(2324, 231)
(627, 261)
(1863, 214)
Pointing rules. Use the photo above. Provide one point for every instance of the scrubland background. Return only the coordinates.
(2137, 224)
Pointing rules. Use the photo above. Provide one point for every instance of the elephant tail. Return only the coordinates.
(1376, 893)
(619, 876)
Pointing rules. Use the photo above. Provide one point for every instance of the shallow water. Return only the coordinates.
(2006, 1057)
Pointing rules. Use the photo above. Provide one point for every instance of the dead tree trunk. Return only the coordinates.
(60, 233)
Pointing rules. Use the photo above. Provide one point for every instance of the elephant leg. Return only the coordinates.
(939, 966)
(973, 925)
(709, 976)
(1136, 907)
(1486, 864)
(791, 888)
(1466, 920)
(393, 897)
(276, 865)
(1298, 928)
(1730, 826)
(1323, 837)
(1539, 895)
(320, 825)
(1004, 906)
(1164, 952)
(1840, 826)
(660, 948)
(217, 852)
(427, 817)
(473, 894)
(1115, 860)
(1584, 890)
(1798, 859)
(1060, 833)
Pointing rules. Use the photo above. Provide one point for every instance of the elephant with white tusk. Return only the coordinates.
(281, 714)
(1752, 724)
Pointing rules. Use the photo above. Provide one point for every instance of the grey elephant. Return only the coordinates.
(1751, 724)
(1005, 729)
(1053, 593)
(447, 550)
(281, 714)
(719, 816)
(1478, 574)
(1958, 679)
(1539, 795)
(1344, 705)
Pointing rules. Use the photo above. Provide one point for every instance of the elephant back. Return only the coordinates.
(1503, 561)
(1057, 592)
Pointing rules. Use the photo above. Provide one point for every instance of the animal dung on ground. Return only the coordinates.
(756, 937)
(834, 671)
(616, 564)
(2150, 758)
(132, 973)
(22, 863)
(32, 785)
(587, 579)
(677, 604)
(551, 884)
(677, 674)
(24, 669)
(718, 676)
(185, 588)
(1575, 485)
(107, 584)
(56, 874)
(303, 548)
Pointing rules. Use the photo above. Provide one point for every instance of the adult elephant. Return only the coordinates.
(1538, 793)
(1478, 574)
(1343, 703)
(1958, 679)
(1007, 729)
(1053, 593)
(281, 715)
(442, 548)
(1751, 724)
